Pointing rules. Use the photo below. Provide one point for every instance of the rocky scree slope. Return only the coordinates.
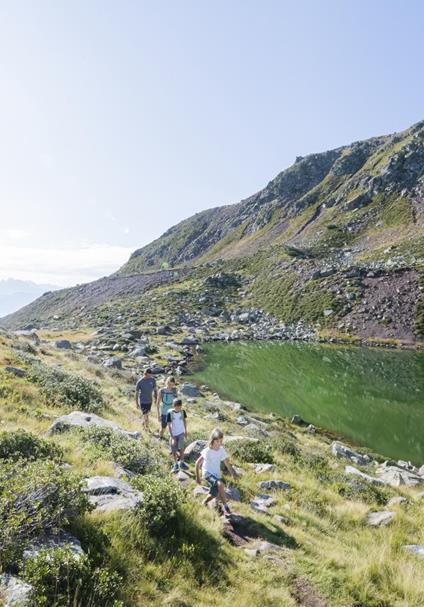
(336, 241)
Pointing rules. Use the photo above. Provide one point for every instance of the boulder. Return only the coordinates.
(274, 485)
(233, 439)
(262, 468)
(342, 451)
(396, 477)
(193, 450)
(396, 501)
(14, 591)
(380, 519)
(113, 363)
(261, 503)
(416, 549)
(421, 471)
(15, 371)
(232, 493)
(191, 390)
(63, 540)
(108, 494)
(189, 340)
(85, 420)
(63, 344)
(365, 477)
(297, 420)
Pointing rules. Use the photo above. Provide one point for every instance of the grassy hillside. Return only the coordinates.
(321, 550)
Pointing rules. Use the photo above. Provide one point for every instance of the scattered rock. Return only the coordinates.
(274, 485)
(396, 501)
(396, 476)
(113, 363)
(365, 477)
(342, 451)
(55, 541)
(85, 420)
(15, 371)
(190, 390)
(416, 549)
(14, 591)
(261, 503)
(262, 468)
(233, 494)
(108, 494)
(297, 420)
(190, 341)
(194, 449)
(64, 344)
(380, 519)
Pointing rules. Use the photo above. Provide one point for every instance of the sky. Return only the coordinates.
(119, 119)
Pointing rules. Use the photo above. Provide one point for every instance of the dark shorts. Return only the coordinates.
(145, 408)
(177, 443)
(212, 481)
(163, 420)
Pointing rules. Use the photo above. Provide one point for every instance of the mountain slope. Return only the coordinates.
(336, 240)
(345, 179)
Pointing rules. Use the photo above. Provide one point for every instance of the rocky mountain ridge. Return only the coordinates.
(335, 241)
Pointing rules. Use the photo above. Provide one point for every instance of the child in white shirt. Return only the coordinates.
(210, 462)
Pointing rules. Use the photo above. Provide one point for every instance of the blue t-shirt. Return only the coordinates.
(166, 400)
(145, 388)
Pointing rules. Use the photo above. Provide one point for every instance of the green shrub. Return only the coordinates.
(61, 579)
(358, 489)
(24, 445)
(133, 455)
(286, 445)
(318, 465)
(64, 388)
(160, 510)
(252, 452)
(35, 498)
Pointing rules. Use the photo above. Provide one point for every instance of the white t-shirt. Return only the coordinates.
(212, 459)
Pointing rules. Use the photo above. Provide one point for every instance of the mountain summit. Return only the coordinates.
(336, 241)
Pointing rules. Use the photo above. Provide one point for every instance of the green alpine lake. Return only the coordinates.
(374, 397)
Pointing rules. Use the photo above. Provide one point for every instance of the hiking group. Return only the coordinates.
(172, 416)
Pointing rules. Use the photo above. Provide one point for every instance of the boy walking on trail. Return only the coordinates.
(210, 462)
(177, 424)
(145, 389)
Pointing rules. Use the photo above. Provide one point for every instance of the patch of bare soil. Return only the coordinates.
(305, 595)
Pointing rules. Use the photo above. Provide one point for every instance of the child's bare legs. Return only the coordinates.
(221, 493)
(146, 421)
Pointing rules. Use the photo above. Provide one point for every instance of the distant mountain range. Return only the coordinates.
(17, 293)
(335, 240)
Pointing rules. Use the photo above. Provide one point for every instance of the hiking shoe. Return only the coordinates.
(174, 468)
(183, 466)
(227, 511)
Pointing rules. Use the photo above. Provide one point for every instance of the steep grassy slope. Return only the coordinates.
(322, 552)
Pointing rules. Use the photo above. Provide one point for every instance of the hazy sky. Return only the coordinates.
(118, 119)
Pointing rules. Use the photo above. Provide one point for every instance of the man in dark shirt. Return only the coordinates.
(144, 391)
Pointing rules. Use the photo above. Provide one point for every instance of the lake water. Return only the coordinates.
(375, 397)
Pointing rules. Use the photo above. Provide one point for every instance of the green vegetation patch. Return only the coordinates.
(60, 578)
(24, 445)
(61, 387)
(135, 456)
(251, 451)
(35, 498)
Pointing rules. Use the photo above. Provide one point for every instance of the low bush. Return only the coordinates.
(64, 388)
(358, 489)
(61, 579)
(252, 452)
(132, 455)
(35, 498)
(286, 445)
(161, 509)
(24, 445)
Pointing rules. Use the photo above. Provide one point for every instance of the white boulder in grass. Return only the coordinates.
(108, 494)
(85, 420)
(342, 451)
(416, 549)
(14, 592)
(351, 470)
